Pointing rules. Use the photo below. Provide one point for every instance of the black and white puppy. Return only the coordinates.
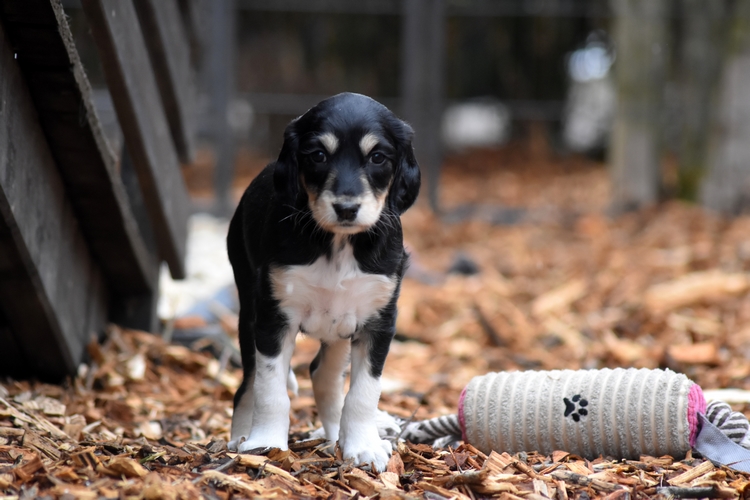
(316, 246)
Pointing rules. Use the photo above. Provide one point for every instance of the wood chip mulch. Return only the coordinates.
(564, 286)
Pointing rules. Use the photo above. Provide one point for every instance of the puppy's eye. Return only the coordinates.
(318, 157)
(377, 158)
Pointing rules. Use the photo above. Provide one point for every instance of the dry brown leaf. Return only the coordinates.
(390, 479)
(693, 288)
(363, 483)
(74, 491)
(702, 353)
(124, 466)
(395, 464)
(236, 483)
(559, 298)
(692, 474)
(257, 461)
(25, 472)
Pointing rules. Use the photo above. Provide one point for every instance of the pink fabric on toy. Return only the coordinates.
(461, 420)
(696, 405)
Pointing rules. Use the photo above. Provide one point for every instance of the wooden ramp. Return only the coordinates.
(82, 234)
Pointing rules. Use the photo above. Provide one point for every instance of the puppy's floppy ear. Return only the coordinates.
(407, 179)
(286, 172)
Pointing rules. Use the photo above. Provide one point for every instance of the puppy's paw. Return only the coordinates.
(251, 443)
(318, 433)
(234, 443)
(330, 447)
(367, 448)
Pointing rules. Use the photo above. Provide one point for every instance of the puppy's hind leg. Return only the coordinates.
(242, 418)
(327, 373)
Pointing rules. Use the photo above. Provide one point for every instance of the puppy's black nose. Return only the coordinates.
(346, 211)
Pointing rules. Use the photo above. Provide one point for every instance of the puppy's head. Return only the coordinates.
(353, 159)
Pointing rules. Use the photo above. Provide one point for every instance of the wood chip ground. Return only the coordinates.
(565, 286)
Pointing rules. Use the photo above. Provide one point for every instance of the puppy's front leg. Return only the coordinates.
(358, 437)
(270, 424)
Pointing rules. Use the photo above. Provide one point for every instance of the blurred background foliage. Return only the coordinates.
(654, 89)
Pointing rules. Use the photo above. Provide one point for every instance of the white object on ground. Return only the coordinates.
(207, 265)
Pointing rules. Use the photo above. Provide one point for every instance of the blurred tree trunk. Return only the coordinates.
(703, 34)
(422, 85)
(640, 30)
(727, 184)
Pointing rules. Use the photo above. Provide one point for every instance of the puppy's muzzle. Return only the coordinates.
(346, 212)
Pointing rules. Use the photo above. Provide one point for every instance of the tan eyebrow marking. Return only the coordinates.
(330, 142)
(367, 142)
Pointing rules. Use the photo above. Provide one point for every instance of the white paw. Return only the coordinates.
(234, 443)
(318, 433)
(367, 449)
(253, 443)
(330, 446)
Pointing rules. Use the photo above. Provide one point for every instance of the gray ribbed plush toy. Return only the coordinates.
(622, 413)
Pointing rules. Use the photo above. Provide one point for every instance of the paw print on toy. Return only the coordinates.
(575, 407)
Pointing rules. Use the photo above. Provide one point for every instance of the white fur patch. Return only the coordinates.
(330, 298)
(367, 142)
(330, 141)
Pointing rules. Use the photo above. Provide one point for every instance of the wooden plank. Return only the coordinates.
(63, 98)
(28, 13)
(52, 293)
(192, 18)
(169, 50)
(114, 25)
(13, 359)
(136, 311)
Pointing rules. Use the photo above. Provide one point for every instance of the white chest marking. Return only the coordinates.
(330, 298)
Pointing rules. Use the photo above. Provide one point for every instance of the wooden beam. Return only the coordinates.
(39, 33)
(192, 17)
(169, 49)
(116, 30)
(52, 293)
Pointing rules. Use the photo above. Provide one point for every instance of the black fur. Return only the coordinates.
(274, 226)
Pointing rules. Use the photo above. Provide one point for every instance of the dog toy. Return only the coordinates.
(623, 413)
